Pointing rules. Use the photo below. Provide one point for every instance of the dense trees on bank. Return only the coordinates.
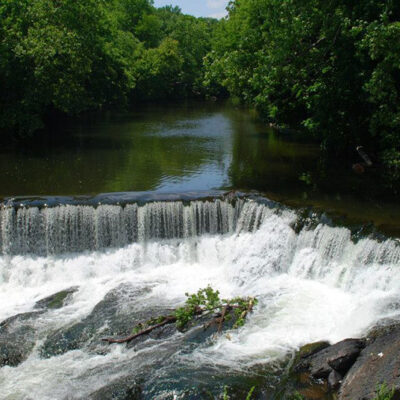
(328, 67)
(69, 56)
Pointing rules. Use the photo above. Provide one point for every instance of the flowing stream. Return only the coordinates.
(314, 281)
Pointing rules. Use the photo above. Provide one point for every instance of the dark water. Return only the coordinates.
(191, 147)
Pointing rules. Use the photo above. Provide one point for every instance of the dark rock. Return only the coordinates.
(388, 326)
(115, 316)
(56, 300)
(378, 363)
(334, 380)
(13, 354)
(17, 338)
(341, 354)
(18, 333)
(9, 324)
(121, 389)
(346, 355)
(310, 349)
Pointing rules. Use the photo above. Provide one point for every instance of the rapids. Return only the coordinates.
(314, 281)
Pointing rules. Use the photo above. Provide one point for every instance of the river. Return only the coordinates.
(135, 213)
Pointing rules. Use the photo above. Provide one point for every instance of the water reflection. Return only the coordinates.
(190, 147)
(174, 148)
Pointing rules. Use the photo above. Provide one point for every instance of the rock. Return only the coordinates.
(121, 389)
(17, 338)
(341, 355)
(346, 355)
(13, 354)
(56, 300)
(9, 324)
(115, 315)
(358, 168)
(311, 348)
(334, 380)
(378, 363)
(18, 333)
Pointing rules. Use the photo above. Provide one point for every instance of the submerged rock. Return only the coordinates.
(17, 338)
(121, 389)
(115, 315)
(18, 333)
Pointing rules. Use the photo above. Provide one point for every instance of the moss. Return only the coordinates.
(56, 300)
(310, 349)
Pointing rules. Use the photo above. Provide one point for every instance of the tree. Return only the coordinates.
(329, 68)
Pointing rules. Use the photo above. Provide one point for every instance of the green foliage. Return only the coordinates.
(225, 395)
(248, 397)
(329, 68)
(208, 300)
(384, 393)
(205, 301)
(296, 396)
(157, 68)
(68, 56)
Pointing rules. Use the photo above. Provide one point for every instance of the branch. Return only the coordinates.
(221, 321)
(168, 320)
(205, 302)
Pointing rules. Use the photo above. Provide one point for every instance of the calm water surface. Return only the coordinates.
(190, 146)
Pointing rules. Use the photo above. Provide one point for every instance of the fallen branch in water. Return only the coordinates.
(205, 301)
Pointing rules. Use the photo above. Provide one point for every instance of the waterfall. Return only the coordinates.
(313, 281)
(75, 228)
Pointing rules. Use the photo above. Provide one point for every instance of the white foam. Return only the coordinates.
(317, 285)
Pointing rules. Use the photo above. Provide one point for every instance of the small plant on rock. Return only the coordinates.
(205, 302)
(384, 393)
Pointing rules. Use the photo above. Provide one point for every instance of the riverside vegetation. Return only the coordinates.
(329, 68)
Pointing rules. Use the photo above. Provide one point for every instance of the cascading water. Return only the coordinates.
(314, 283)
(74, 228)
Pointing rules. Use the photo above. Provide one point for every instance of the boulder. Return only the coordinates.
(310, 349)
(338, 357)
(378, 363)
(345, 355)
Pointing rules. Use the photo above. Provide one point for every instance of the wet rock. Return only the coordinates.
(334, 380)
(310, 349)
(9, 324)
(346, 355)
(378, 363)
(56, 300)
(340, 355)
(13, 354)
(114, 316)
(121, 389)
(17, 338)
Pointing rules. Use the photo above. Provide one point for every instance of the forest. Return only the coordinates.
(329, 69)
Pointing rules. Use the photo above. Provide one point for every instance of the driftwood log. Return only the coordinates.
(218, 318)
